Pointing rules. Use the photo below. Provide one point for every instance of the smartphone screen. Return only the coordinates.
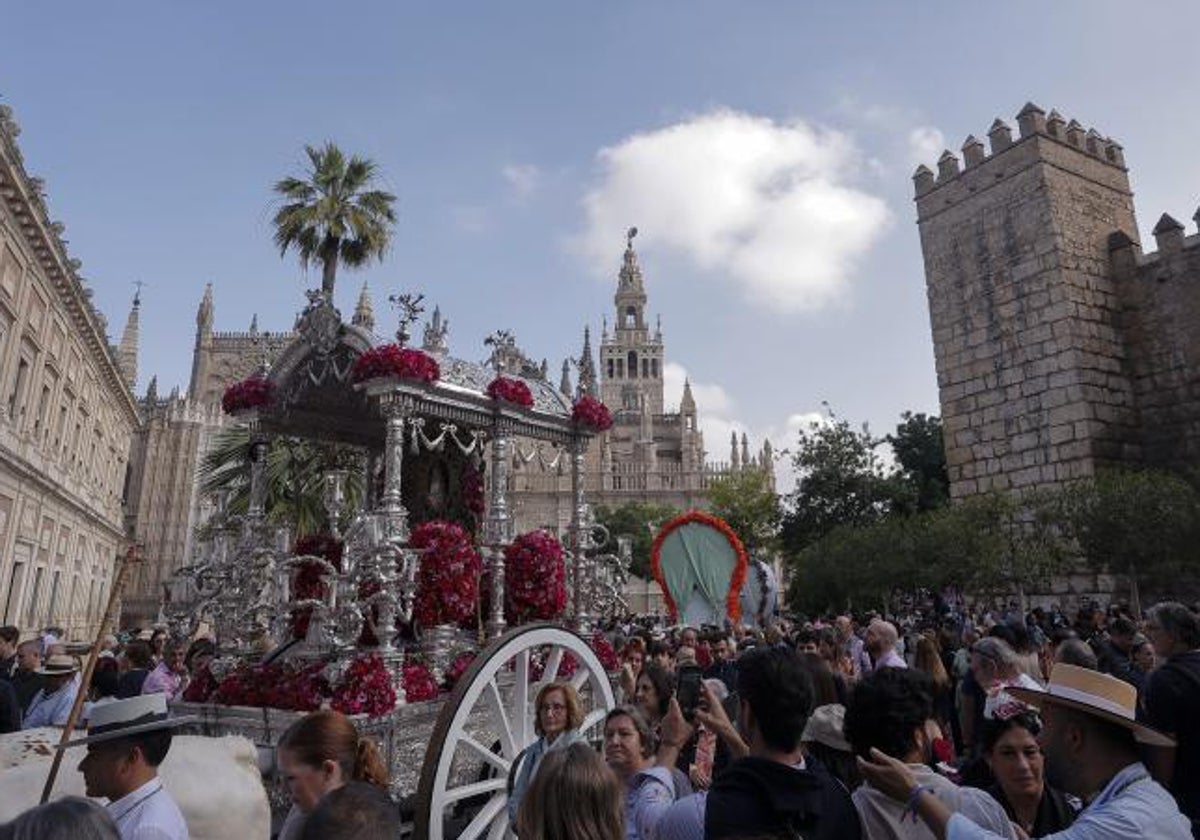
(688, 690)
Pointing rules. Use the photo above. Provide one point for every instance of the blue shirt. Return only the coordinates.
(52, 709)
(650, 794)
(1130, 805)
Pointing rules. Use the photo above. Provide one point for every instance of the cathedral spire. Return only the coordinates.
(127, 351)
(204, 313)
(630, 298)
(587, 366)
(687, 404)
(746, 450)
(734, 455)
(254, 324)
(364, 311)
(152, 392)
(564, 385)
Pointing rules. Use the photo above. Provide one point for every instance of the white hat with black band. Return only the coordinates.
(122, 718)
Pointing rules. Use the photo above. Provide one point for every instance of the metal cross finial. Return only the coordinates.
(410, 309)
(137, 296)
(629, 237)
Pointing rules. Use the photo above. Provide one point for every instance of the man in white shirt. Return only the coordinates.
(127, 741)
(51, 706)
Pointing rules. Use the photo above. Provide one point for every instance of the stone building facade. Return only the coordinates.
(1060, 347)
(67, 415)
(653, 453)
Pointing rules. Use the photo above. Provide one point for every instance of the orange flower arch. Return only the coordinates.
(733, 604)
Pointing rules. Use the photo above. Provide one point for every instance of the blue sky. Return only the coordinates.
(764, 150)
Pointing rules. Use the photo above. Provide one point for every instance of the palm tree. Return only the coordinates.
(332, 215)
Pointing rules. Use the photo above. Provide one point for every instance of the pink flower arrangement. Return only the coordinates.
(255, 392)
(537, 588)
(605, 651)
(394, 360)
(365, 688)
(592, 414)
(301, 689)
(506, 389)
(419, 684)
(457, 668)
(448, 576)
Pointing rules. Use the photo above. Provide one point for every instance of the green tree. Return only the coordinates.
(640, 522)
(332, 215)
(747, 503)
(295, 476)
(841, 481)
(921, 459)
(1144, 525)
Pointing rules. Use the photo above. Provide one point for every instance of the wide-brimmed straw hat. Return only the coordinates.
(1093, 693)
(826, 725)
(122, 718)
(58, 665)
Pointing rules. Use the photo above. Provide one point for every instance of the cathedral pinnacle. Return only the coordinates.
(127, 350)
(204, 314)
(364, 311)
(565, 384)
(587, 366)
(631, 293)
(687, 404)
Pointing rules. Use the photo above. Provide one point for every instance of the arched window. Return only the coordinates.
(630, 317)
(654, 368)
(632, 362)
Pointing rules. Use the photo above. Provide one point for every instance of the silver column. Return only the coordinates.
(580, 539)
(497, 532)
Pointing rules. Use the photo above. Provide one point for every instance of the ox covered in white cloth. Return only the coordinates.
(215, 781)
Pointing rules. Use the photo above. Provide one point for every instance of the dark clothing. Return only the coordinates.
(758, 796)
(1055, 812)
(971, 688)
(8, 667)
(10, 708)
(27, 684)
(725, 671)
(1172, 698)
(130, 683)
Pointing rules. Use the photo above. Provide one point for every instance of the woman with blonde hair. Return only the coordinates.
(929, 660)
(574, 797)
(558, 716)
(320, 753)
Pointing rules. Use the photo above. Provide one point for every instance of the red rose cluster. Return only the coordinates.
(473, 492)
(509, 390)
(394, 360)
(201, 687)
(607, 654)
(457, 668)
(255, 392)
(309, 582)
(274, 686)
(537, 587)
(419, 684)
(567, 666)
(591, 413)
(448, 577)
(366, 688)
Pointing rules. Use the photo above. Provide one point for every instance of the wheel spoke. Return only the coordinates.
(592, 718)
(521, 700)
(493, 810)
(508, 745)
(581, 676)
(500, 826)
(498, 761)
(496, 785)
(553, 663)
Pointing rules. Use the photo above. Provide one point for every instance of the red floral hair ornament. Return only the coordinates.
(733, 604)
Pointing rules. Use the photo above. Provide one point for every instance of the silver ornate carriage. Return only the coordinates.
(450, 757)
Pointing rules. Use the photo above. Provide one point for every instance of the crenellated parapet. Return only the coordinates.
(1042, 139)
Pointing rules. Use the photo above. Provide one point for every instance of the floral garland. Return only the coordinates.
(733, 606)
(309, 583)
(419, 684)
(605, 652)
(473, 492)
(506, 389)
(365, 688)
(457, 668)
(394, 360)
(537, 586)
(255, 392)
(448, 576)
(274, 686)
(592, 414)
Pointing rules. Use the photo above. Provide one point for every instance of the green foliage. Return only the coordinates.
(1145, 524)
(295, 475)
(639, 521)
(747, 503)
(841, 481)
(332, 215)
(921, 461)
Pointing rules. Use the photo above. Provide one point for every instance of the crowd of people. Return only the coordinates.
(938, 723)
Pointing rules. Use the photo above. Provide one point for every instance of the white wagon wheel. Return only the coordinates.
(488, 720)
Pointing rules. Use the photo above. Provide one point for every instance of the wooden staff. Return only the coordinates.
(114, 596)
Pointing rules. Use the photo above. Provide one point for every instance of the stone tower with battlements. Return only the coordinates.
(1060, 347)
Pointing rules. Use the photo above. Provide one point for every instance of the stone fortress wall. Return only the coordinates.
(1060, 347)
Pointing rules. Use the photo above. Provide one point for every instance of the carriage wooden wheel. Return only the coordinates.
(489, 719)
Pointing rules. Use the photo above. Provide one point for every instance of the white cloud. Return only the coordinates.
(925, 145)
(524, 180)
(769, 204)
